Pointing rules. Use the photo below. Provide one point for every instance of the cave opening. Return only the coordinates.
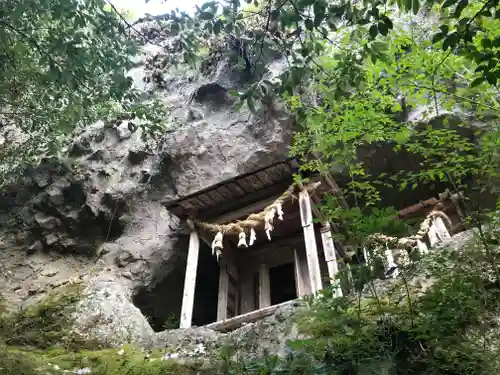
(282, 283)
(161, 303)
(206, 289)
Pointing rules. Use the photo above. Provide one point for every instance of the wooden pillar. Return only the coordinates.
(368, 259)
(301, 273)
(389, 263)
(422, 247)
(223, 290)
(432, 234)
(310, 241)
(441, 229)
(247, 293)
(330, 255)
(264, 287)
(190, 281)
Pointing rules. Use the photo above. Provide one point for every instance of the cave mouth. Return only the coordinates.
(161, 303)
(282, 282)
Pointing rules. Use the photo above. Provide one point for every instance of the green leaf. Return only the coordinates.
(388, 22)
(491, 78)
(383, 29)
(206, 16)
(444, 29)
(486, 43)
(460, 7)
(373, 31)
(415, 6)
(448, 3)
(437, 37)
(309, 24)
(251, 103)
(450, 41)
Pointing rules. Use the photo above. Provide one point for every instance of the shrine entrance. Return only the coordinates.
(282, 283)
(261, 232)
(271, 245)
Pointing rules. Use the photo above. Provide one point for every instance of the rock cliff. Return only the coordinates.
(96, 215)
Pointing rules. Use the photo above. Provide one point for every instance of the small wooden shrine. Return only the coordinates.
(256, 224)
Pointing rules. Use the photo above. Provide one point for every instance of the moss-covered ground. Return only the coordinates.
(450, 327)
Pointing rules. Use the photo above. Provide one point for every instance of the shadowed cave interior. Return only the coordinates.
(161, 304)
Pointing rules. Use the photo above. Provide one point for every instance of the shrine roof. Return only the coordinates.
(233, 193)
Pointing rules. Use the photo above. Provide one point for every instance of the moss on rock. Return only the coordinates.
(44, 324)
(128, 361)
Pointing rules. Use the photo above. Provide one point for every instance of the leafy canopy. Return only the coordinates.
(304, 30)
(64, 66)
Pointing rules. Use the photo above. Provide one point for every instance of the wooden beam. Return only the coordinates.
(310, 241)
(432, 235)
(249, 198)
(301, 273)
(253, 316)
(441, 229)
(330, 256)
(422, 247)
(244, 211)
(223, 290)
(264, 287)
(190, 281)
(314, 199)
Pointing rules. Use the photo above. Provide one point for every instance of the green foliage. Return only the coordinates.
(130, 361)
(64, 64)
(306, 30)
(46, 323)
(13, 363)
(3, 305)
(172, 322)
(344, 126)
(445, 329)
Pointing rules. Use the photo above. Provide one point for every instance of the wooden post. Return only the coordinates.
(301, 274)
(441, 229)
(223, 290)
(247, 293)
(368, 260)
(422, 247)
(432, 234)
(330, 256)
(190, 281)
(389, 263)
(310, 242)
(264, 287)
(350, 278)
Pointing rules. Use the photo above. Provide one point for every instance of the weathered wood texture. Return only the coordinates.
(330, 255)
(190, 281)
(441, 229)
(247, 293)
(302, 280)
(223, 291)
(432, 235)
(310, 242)
(264, 287)
(232, 194)
(253, 316)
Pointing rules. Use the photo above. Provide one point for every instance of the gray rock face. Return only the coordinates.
(250, 341)
(96, 214)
